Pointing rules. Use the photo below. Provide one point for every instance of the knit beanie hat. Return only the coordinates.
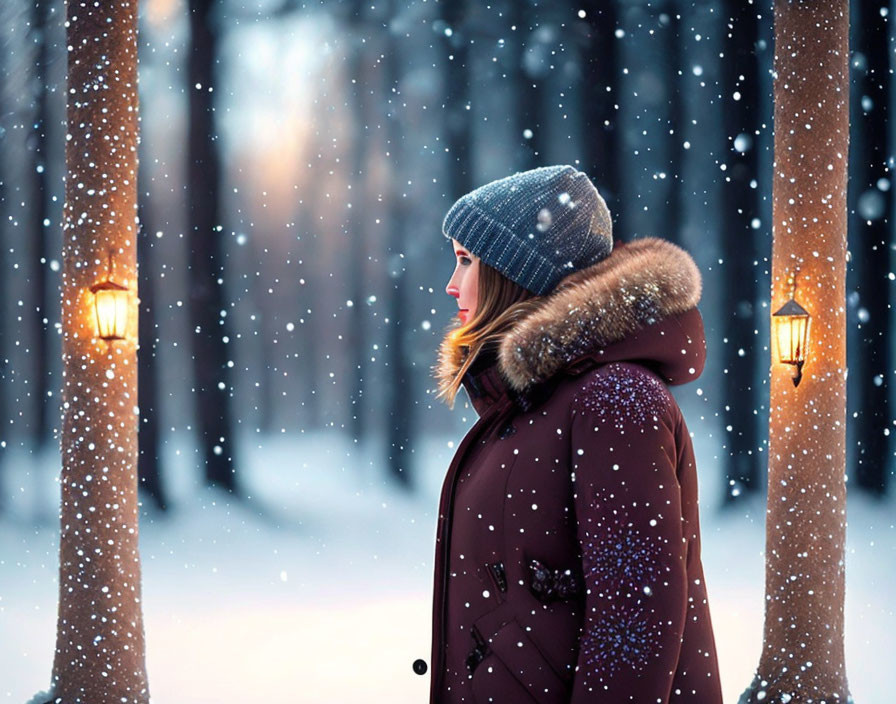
(535, 227)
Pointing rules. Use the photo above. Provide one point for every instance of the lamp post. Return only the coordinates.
(791, 323)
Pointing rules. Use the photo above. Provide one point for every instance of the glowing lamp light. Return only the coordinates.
(110, 303)
(791, 323)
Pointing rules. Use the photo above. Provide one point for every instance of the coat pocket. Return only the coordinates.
(513, 663)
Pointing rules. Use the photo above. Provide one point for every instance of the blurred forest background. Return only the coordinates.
(297, 159)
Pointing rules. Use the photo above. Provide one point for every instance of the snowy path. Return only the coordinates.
(327, 597)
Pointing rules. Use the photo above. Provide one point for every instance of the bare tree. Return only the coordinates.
(740, 247)
(671, 35)
(600, 102)
(100, 640)
(208, 311)
(355, 227)
(399, 388)
(149, 442)
(870, 267)
(802, 656)
(4, 168)
(18, 257)
(529, 111)
(458, 130)
(40, 208)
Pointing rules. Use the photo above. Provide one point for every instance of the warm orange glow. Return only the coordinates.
(162, 13)
(792, 332)
(110, 301)
(791, 323)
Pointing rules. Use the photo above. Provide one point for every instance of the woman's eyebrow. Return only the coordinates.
(461, 252)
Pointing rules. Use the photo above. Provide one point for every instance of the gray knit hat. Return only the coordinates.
(535, 227)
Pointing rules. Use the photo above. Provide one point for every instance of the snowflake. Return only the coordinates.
(619, 560)
(622, 567)
(625, 636)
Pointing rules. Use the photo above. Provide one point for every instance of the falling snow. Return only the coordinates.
(338, 137)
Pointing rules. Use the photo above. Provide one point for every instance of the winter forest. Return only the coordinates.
(296, 160)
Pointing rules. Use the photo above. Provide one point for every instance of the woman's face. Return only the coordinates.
(464, 282)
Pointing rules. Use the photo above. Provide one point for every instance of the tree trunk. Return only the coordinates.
(458, 130)
(870, 367)
(740, 248)
(263, 355)
(399, 386)
(356, 239)
(4, 285)
(675, 196)
(601, 94)
(149, 472)
(311, 321)
(802, 657)
(41, 208)
(529, 110)
(100, 641)
(207, 301)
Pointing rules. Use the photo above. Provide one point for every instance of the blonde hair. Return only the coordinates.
(500, 303)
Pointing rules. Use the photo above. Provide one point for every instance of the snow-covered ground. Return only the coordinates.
(318, 588)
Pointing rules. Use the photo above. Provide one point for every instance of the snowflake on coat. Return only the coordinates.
(625, 636)
(621, 566)
(622, 396)
(618, 560)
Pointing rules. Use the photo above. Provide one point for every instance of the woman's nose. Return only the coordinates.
(452, 290)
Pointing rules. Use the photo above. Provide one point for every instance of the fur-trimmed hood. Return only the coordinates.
(638, 304)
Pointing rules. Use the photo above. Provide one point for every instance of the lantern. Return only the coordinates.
(791, 323)
(110, 303)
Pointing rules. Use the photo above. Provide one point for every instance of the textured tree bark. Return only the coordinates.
(802, 658)
(100, 641)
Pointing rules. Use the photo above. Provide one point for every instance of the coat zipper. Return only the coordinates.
(471, 436)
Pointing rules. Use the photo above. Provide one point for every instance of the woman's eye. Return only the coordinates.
(466, 261)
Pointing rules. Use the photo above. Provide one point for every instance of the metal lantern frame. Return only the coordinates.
(110, 305)
(791, 332)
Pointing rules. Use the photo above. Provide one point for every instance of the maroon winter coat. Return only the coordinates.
(567, 563)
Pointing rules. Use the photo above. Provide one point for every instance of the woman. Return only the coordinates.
(567, 563)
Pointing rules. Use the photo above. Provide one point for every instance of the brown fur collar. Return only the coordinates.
(642, 281)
